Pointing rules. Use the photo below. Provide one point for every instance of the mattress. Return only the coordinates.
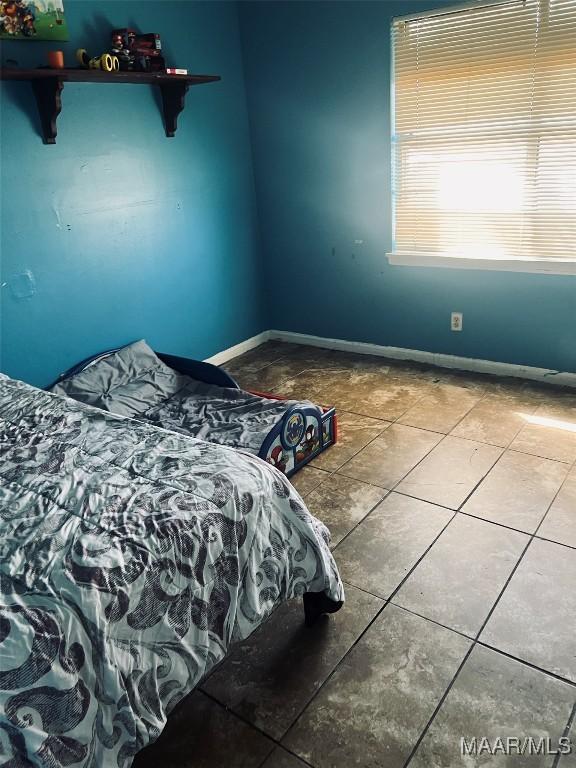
(131, 558)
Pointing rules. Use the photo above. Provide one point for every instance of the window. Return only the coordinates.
(484, 137)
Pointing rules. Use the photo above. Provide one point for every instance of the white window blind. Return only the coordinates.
(484, 136)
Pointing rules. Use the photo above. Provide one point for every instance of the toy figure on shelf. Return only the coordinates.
(122, 53)
(138, 52)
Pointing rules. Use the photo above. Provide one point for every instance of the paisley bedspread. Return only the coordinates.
(131, 557)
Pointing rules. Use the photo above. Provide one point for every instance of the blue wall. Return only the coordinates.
(128, 233)
(318, 76)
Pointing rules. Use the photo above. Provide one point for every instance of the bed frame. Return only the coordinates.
(301, 434)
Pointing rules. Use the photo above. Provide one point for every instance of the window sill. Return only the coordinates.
(541, 266)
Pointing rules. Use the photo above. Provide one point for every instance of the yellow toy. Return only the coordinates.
(107, 62)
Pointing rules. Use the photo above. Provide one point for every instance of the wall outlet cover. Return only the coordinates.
(457, 319)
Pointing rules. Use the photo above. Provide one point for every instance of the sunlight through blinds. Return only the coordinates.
(485, 132)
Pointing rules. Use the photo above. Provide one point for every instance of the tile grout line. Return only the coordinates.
(504, 448)
(566, 734)
(529, 664)
(516, 530)
(459, 420)
(361, 521)
(438, 706)
(391, 421)
(314, 694)
(331, 473)
(474, 643)
(483, 399)
(395, 485)
(434, 385)
(420, 739)
(333, 671)
(432, 621)
(474, 640)
(428, 452)
(289, 751)
(469, 514)
(384, 429)
(387, 491)
(485, 394)
(257, 370)
(422, 556)
(243, 720)
(365, 630)
(479, 483)
(490, 647)
(564, 482)
(553, 541)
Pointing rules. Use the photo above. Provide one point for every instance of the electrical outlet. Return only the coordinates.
(456, 321)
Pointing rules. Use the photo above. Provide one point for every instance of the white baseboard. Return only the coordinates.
(431, 358)
(398, 353)
(238, 349)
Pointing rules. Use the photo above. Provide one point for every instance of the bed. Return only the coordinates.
(131, 558)
(201, 400)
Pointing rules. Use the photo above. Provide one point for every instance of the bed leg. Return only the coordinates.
(316, 604)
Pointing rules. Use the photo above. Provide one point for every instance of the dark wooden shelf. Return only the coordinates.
(47, 85)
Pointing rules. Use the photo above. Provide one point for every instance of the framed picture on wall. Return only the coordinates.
(32, 20)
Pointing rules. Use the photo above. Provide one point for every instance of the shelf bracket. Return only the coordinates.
(48, 98)
(173, 99)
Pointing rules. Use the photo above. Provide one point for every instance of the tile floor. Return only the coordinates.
(451, 499)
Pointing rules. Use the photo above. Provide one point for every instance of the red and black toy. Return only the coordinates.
(139, 52)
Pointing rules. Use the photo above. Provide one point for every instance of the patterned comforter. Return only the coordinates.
(130, 559)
